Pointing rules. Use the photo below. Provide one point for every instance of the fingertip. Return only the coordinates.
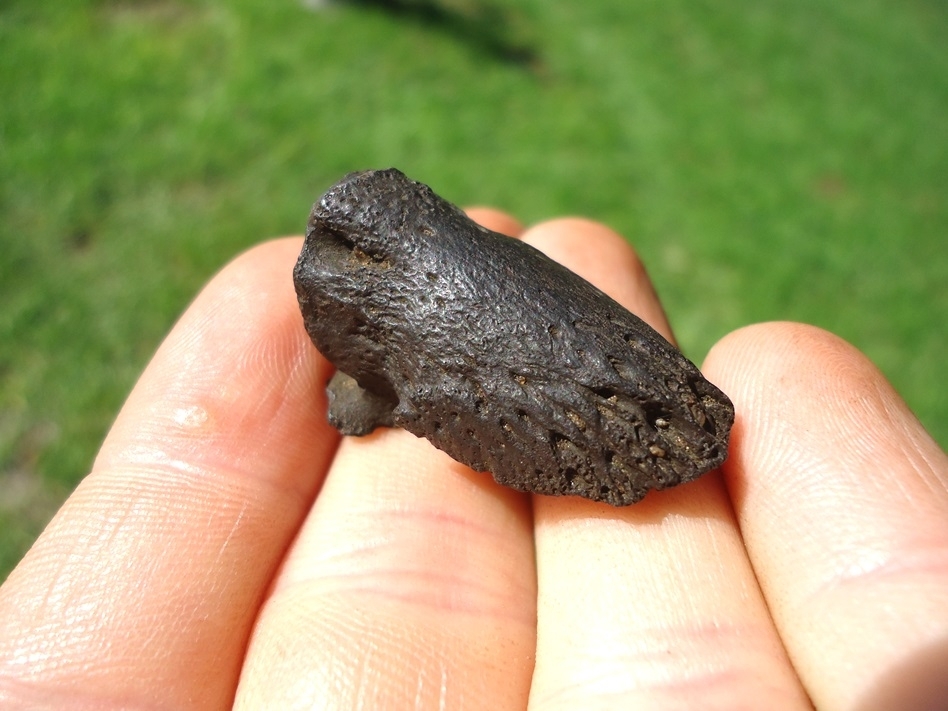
(276, 249)
(495, 220)
(799, 383)
(775, 338)
(806, 362)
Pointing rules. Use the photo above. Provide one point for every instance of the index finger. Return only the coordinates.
(145, 585)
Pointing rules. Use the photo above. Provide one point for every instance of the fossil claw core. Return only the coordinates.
(495, 353)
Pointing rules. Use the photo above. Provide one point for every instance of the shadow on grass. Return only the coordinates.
(487, 28)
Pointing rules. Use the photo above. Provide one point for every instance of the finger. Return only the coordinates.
(842, 499)
(411, 585)
(495, 220)
(143, 589)
(654, 605)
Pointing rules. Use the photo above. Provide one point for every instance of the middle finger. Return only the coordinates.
(653, 605)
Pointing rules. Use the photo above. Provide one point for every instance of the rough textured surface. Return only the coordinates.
(498, 355)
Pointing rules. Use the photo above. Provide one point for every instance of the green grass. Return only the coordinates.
(770, 159)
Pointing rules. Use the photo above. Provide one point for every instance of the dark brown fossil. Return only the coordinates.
(498, 355)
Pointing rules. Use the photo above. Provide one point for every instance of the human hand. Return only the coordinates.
(227, 545)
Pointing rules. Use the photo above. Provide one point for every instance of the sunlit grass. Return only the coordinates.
(769, 159)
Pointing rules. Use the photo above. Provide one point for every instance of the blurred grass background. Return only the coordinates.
(769, 159)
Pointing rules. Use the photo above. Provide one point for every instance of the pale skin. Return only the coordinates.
(229, 549)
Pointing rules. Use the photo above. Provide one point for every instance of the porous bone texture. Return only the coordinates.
(498, 355)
